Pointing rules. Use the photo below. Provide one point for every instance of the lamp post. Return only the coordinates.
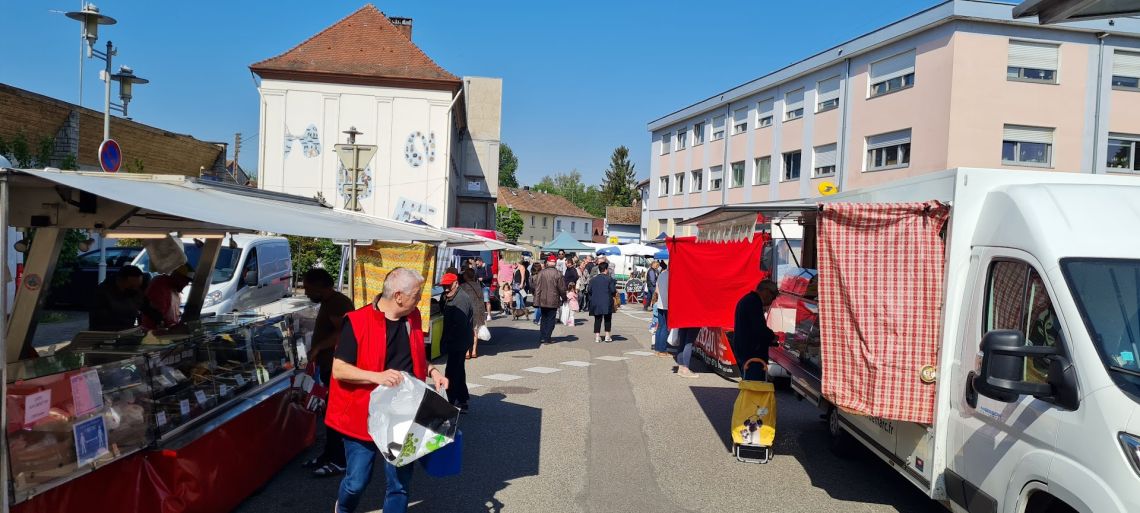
(91, 18)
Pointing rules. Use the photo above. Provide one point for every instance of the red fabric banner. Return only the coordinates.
(706, 279)
(880, 284)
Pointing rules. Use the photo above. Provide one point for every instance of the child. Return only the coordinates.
(506, 296)
(572, 301)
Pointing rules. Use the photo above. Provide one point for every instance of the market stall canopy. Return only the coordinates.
(608, 251)
(565, 242)
(738, 222)
(634, 249)
(661, 255)
(164, 203)
(481, 243)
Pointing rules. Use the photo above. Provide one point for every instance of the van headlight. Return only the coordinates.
(1131, 446)
(213, 298)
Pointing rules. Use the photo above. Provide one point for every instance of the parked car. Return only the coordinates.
(258, 271)
(79, 291)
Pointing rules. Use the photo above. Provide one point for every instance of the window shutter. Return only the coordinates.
(1126, 64)
(794, 100)
(1031, 134)
(888, 139)
(825, 155)
(891, 67)
(765, 107)
(1024, 54)
(827, 90)
(740, 115)
(718, 123)
(716, 173)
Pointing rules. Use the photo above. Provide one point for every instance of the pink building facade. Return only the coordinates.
(961, 84)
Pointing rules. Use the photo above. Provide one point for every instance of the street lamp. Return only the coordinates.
(126, 79)
(91, 20)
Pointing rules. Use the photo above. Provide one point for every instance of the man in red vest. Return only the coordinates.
(377, 343)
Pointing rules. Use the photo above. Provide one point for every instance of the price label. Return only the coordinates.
(201, 397)
(164, 381)
(178, 375)
(36, 407)
(240, 380)
(184, 407)
(224, 390)
(160, 418)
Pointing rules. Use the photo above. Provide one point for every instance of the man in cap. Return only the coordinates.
(164, 298)
(549, 294)
(458, 325)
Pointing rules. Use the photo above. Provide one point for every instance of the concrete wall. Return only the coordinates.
(538, 229)
(578, 227)
(479, 150)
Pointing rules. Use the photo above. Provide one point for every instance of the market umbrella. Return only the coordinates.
(661, 255)
(635, 249)
(565, 242)
(610, 251)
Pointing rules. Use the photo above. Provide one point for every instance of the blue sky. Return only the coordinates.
(579, 79)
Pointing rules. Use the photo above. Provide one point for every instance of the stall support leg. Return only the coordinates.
(3, 341)
(201, 283)
(37, 278)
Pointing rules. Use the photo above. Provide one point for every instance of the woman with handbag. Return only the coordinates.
(479, 322)
(603, 295)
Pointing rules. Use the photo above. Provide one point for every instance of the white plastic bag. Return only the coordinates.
(564, 313)
(166, 254)
(674, 339)
(484, 333)
(410, 420)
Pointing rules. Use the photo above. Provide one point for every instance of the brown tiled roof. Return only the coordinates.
(539, 203)
(363, 47)
(623, 215)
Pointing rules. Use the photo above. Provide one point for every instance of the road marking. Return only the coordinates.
(542, 370)
(639, 353)
(474, 385)
(612, 358)
(575, 363)
(502, 377)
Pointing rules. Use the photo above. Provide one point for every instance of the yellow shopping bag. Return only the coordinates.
(754, 417)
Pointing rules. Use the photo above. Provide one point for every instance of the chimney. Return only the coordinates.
(404, 25)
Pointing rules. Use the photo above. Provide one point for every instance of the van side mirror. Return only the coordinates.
(1003, 368)
(250, 278)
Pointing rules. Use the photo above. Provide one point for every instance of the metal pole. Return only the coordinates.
(4, 341)
(106, 135)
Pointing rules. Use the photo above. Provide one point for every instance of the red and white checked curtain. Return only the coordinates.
(880, 285)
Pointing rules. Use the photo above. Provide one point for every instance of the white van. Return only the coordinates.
(251, 271)
(1037, 371)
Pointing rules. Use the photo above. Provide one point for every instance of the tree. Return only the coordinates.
(509, 222)
(619, 187)
(308, 253)
(570, 186)
(508, 164)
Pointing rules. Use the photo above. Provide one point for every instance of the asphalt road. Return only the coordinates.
(623, 434)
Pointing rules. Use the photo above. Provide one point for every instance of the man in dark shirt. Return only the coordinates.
(318, 284)
(117, 301)
(751, 335)
(458, 325)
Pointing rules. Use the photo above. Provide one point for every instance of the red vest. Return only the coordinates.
(348, 402)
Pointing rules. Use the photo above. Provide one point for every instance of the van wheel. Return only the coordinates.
(841, 443)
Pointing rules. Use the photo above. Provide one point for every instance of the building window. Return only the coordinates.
(698, 180)
(666, 141)
(716, 178)
(740, 121)
(681, 136)
(824, 161)
(544, 221)
(792, 166)
(763, 172)
(888, 151)
(892, 74)
(663, 187)
(698, 133)
(662, 226)
(679, 187)
(532, 221)
(558, 225)
(718, 128)
(1035, 62)
(574, 226)
(764, 112)
(1126, 71)
(1027, 146)
(738, 174)
(678, 229)
(794, 105)
(1122, 153)
(827, 94)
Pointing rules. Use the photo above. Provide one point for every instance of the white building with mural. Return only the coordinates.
(437, 135)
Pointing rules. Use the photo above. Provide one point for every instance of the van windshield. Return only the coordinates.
(224, 269)
(1107, 292)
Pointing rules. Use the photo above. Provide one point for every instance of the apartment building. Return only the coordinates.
(961, 84)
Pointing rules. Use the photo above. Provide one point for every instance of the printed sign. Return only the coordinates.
(184, 407)
(408, 210)
(86, 392)
(224, 390)
(240, 380)
(201, 397)
(90, 439)
(110, 156)
(36, 407)
(160, 418)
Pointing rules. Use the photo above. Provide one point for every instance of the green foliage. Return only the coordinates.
(68, 255)
(508, 164)
(309, 253)
(135, 166)
(69, 162)
(619, 187)
(570, 186)
(509, 222)
(22, 154)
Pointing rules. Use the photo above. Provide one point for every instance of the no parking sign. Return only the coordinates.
(110, 156)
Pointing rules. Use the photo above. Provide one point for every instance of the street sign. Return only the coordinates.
(827, 188)
(355, 156)
(612, 240)
(110, 156)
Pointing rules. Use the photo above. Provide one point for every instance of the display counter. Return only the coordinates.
(109, 395)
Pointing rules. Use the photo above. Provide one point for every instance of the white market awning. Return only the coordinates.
(157, 202)
(480, 243)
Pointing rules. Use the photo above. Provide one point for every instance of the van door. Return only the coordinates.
(273, 259)
(248, 282)
(997, 447)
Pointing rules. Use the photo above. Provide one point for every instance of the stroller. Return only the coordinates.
(754, 418)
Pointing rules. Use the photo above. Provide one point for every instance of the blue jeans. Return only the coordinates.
(688, 336)
(520, 299)
(661, 337)
(360, 456)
